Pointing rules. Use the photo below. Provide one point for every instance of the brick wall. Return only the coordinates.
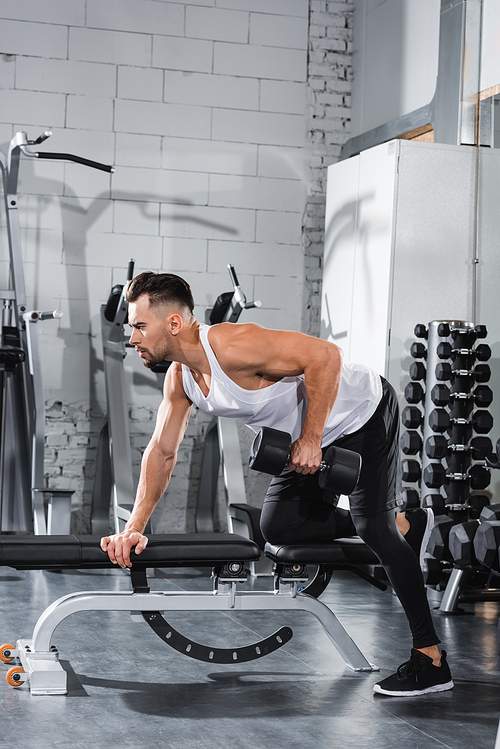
(219, 116)
(329, 93)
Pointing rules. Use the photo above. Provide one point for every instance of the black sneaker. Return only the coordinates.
(421, 524)
(417, 676)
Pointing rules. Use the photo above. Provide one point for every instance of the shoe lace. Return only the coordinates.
(410, 668)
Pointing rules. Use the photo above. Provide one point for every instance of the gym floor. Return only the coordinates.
(129, 689)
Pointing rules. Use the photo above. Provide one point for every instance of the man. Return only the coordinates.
(299, 384)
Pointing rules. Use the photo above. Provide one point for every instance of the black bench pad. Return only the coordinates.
(84, 552)
(340, 551)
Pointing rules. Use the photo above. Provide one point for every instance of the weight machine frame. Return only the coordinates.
(22, 435)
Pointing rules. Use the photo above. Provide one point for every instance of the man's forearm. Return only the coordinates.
(156, 471)
(322, 383)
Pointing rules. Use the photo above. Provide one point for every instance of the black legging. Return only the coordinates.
(295, 511)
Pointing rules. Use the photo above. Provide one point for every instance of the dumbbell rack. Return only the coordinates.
(447, 439)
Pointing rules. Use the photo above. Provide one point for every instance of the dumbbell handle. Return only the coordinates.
(322, 466)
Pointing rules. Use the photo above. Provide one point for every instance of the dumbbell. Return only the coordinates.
(418, 350)
(432, 571)
(483, 352)
(480, 477)
(434, 475)
(445, 371)
(482, 372)
(438, 540)
(437, 446)
(487, 537)
(486, 544)
(476, 503)
(411, 442)
(435, 502)
(411, 499)
(461, 543)
(490, 513)
(420, 331)
(417, 370)
(411, 470)
(481, 447)
(440, 421)
(483, 395)
(414, 392)
(270, 453)
(411, 416)
(444, 331)
(440, 395)
(444, 350)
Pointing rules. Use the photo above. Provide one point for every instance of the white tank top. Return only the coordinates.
(283, 405)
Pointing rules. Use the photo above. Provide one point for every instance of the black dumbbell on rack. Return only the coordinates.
(338, 472)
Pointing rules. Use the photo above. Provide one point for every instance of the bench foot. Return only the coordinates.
(43, 673)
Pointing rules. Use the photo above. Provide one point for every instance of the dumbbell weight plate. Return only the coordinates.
(270, 451)
(461, 543)
(482, 421)
(489, 513)
(341, 472)
(411, 470)
(480, 477)
(411, 442)
(476, 503)
(436, 446)
(486, 544)
(481, 447)
(434, 475)
(414, 392)
(435, 502)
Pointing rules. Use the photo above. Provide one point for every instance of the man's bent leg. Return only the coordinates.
(380, 533)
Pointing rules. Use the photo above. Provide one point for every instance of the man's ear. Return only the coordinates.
(175, 323)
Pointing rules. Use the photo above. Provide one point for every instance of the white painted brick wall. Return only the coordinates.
(260, 62)
(276, 31)
(34, 39)
(97, 45)
(217, 24)
(209, 90)
(220, 118)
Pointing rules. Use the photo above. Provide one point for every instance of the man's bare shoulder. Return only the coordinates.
(173, 387)
(278, 353)
(227, 331)
(230, 338)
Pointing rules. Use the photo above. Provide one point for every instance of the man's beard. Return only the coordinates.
(155, 357)
(151, 363)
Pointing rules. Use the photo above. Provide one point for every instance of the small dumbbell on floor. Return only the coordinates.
(270, 453)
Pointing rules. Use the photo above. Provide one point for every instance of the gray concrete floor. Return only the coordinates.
(129, 689)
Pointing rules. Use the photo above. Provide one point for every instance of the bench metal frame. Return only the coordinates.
(40, 659)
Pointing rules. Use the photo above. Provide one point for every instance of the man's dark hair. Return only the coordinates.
(161, 289)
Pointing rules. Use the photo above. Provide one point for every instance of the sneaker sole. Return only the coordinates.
(416, 692)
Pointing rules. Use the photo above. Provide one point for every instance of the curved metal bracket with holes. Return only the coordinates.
(215, 655)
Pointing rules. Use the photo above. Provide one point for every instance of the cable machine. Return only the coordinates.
(22, 414)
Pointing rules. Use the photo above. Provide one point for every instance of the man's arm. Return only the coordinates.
(248, 350)
(157, 465)
(322, 376)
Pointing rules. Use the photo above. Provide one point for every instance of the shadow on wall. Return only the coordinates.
(78, 217)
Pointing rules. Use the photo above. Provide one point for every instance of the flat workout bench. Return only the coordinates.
(226, 553)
